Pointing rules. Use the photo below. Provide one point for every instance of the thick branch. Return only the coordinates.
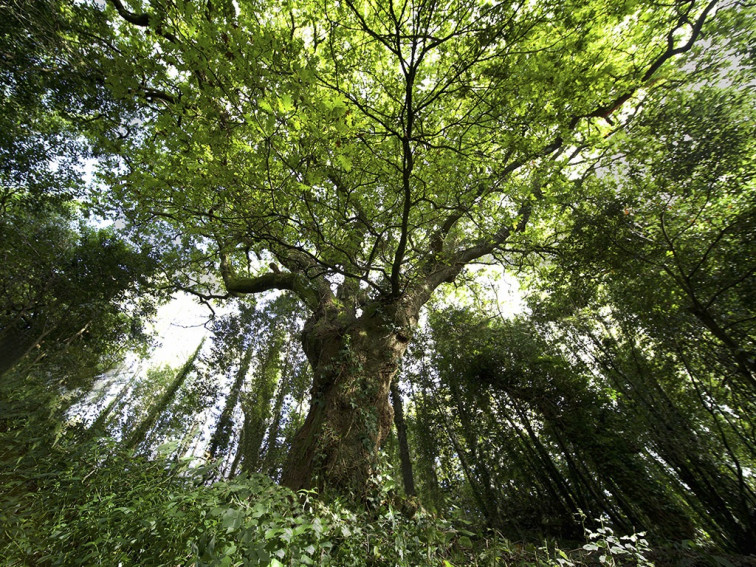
(438, 237)
(266, 282)
(605, 110)
(136, 19)
(487, 246)
(447, 269)
(141, 20)
(154, 94)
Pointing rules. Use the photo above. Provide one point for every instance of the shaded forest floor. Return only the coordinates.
(84, 506)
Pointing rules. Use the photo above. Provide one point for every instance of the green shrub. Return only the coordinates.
(111, 509)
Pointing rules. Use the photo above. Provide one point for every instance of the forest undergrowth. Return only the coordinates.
(91, 504)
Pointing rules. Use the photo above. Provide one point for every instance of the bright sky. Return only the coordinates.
(179, 326)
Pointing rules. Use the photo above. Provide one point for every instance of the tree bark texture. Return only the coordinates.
(354, 361)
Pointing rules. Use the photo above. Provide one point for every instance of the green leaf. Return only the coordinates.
(344, 162)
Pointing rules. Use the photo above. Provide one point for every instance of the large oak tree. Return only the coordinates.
(359, 154)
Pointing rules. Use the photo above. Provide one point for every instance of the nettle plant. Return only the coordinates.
(616, 550)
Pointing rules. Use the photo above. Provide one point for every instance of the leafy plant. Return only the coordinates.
(613, 550)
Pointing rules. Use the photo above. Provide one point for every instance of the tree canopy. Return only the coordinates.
(371, 151)
(384, 145)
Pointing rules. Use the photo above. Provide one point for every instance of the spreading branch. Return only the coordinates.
(144, 20)
(605, 110)
(289, 281)
(557, 145)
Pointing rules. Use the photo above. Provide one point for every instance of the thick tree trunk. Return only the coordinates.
(354, 361)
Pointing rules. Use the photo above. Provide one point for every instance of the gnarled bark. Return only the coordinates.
(354, 361)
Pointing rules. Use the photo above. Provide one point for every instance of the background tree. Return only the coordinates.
(60, 283)
(159, 406)
(64, 287)
(543, 437)
(49, 94)
(626, 391)
(652, 280)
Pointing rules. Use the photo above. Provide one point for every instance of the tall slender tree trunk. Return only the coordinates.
(222, 433)
(427, 451)
(272, 448)
(16, 344)
(100, 424)
(569, 500)
(256, 406)
(745, 360)
(156, 410)
(231, 473)
(478, 491)
(401, 434)
(477, 471)
(717, 500)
